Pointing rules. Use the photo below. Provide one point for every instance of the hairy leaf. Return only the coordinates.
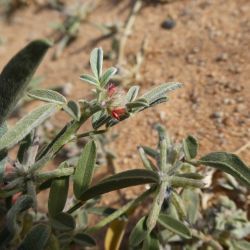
(73, 109)
(26, 125)
(58, 194)
(84, 240)
(85, 169)
(89, 79)
(174, 226)
(107, 75)
(132, 93)
(17, 74)
(121, 180)
(229, 163)
(47, 95)
(96, 60)
(190, 146)
(63, 222)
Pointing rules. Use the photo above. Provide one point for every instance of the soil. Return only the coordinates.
(208, 50)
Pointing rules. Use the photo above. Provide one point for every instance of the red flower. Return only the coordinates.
(117, 113)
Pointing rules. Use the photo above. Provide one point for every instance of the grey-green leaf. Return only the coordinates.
(96, 60)
(37, 238)
(17, 74)
(137, 105)
(159, 92)
(89, 79)
(85, 169)
(47, 95)
(73, 109)
(121, 180)
(139, 233)
(229, 163)
(132, 93)
(190, 147)
(58, 194)
(63, 222)
(174, 226)
(84, 240)
(107, 76)
(26, 124)
(151, 242)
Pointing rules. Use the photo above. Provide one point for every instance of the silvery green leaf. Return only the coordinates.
(84, 169)
(89, 79)
(174, 226)
(195, 176)
(58, 193)
(3, 155)
(100, 118)
(83, 239)
(151, 152)
(63, 222)
(179, 205)
(139, 233)
(121, 180)
(24, 126)
(73, 109)
(240, 245)
(107, 76)
(96, 60)
(229, 163)
(3, 129)
(17, 74)
(190, 147)
(47, 95)
(132, 93)
(37, 238)
(138, 104)
(160, 91)
(191, 201)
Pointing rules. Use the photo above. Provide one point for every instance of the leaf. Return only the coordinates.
(47, 95)
(159, 92)
(3, 129)
(139, 232)
(151, 152)
(121, 180)
(58, 194)
(84, 169)
(240, 245)
(229, 163)
(96, 60)
(179, 205)
(73, 109)
(132, 93)
(37, 238)
(89, 79)
(140, 103)
(114, 234)
(53, 243)
(63, 222)
(17, 74)
(99, 119)
(84, 240)
(107, 75)
(26, 124)
(151, 242)
(174, 226)
(191, 202)
(190, 147)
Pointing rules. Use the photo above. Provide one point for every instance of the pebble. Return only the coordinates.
(229, 101)
(168, 24)
(223, 57)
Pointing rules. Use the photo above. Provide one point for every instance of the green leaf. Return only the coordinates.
(73, 109)
(58, 193)
(132, 93)
(229, 163)
(84, 240)
(179, 205)
(47, 95)
(26, 124)
(159, 92)
(140, 103)
(107, 75)
(151, 152)
(151, 242)
(139, 232)
(37, 238)
(84, 169)
(99, 119)
(121, 180)
(190, 147)
(96, 60)
(3, 129)
(174, 226)
(240, 245)
(17, 74)
(89, 79)
(63, 222)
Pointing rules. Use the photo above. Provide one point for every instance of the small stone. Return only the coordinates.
(222, 57)
(229, 101)
(168, 24)
(241, 107)
(217, 115)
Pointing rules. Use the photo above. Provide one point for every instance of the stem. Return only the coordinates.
(57, 173)
(185, 182)
(163, 155)
(130, 205)
(89, 133)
